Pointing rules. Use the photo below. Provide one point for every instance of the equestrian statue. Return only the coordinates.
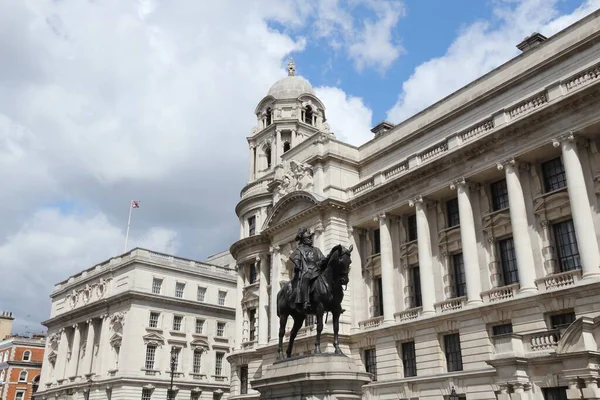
(315, 289)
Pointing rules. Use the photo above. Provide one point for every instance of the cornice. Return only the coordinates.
(256, 240)
(251, 199)
(322, 158)
(97, 308)
(470, 150)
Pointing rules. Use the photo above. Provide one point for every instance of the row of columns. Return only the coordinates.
(276, 153)
(582, 221)
(72, 365)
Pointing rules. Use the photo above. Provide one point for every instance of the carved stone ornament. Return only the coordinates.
(54, 341)
(296, 176)
(117, 320)
(90, 292)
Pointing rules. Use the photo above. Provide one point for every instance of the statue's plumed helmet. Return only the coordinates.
(303, 232)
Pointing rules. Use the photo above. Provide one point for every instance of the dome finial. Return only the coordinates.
(291, 67)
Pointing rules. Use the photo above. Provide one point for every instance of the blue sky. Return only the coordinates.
(106, 102)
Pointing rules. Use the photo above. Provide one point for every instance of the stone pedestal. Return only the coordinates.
(312, 377)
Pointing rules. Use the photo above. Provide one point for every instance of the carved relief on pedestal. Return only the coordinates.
(90, 292)
(293, 176)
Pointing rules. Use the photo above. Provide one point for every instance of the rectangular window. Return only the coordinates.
(175, 353)
(199, 326)
(412, 227)
(220, 329)
(153, 323)
(19, 395)
(503, 329)
(376, 241)
(371, 362)
(252, 274)
(452, 213)
(563, 320)
(219, 364)
(252, 323)
(222, 296)
(460, 281)
(156, 285)
(415, 280)
(201, 296)
(177, 320)
(146, 394)
(409, 359)
(244, 379)
(508, 261)
(499, 195)
(150, 356)
(453, 352)
(555, 393)
(179, 288)
(378, 297)
(197, 362)
(553, 172)
(251, 226)
(566, 246)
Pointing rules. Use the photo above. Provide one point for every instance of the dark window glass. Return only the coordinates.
(379, 296)
(244, 379)
(308, 115)
(416, 285)
(268, 155)
(453, 352)
(508, 261)
(452, 213)
(559, 321)
(252, 275)
(555, 393)
(286, 147)
(371, 362)
(252, 323)
(376, 242)
(554, 175)
(460, 281)
(499, 195)
(409, 359)
(251, 226)
(503, 329)
(269, 116)
(412, 227)
(566, 246)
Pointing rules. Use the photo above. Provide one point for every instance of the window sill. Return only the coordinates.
(219, 378)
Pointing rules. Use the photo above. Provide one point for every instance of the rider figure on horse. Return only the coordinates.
(308, 262)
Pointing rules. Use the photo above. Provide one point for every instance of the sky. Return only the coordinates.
(104, 102)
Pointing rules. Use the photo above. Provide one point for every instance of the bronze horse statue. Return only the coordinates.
(326, 294)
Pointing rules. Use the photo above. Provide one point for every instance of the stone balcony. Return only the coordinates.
(526, 345)
(500, 293)
(559, 281)
(449, 305)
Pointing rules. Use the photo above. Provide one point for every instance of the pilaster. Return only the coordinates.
(387, 268)
(263, 319)
(425, 257)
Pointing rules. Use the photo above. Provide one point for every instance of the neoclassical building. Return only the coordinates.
(114, 327)
(475, 226)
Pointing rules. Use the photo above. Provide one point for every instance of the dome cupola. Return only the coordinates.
(292, 86)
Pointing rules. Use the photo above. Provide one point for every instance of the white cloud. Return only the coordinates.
(50, 246)
(479, 48)
(348, 117)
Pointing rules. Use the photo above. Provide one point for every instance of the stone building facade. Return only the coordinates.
(475, 226)
(113, 328)
(20, 366)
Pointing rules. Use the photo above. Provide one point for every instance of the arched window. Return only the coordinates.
(268, 155)
(308, 115)
(286, 146)
(35, 383)
(23, 376)
(269, 119)
(27, 355)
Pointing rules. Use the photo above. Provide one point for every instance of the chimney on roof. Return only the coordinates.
(6, 322)
(531, 41)
(382, 127)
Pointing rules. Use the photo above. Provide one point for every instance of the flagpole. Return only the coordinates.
(128, 225)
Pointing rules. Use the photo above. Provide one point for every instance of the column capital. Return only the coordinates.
(252, 146)
(502, 164)
(274, 249)
(381, 217)
(90, 321)
(319, 227)
(75, 326)
(415, 200)
(458, 182)
(557, 141)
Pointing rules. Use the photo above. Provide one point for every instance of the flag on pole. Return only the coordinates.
(135, 204)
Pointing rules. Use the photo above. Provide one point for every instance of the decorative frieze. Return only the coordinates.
(583, 78)
(528, 105)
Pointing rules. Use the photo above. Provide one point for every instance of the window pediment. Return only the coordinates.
(291, 207)
(154, 338)
(497, 223)
(553, 205)
(199, 344)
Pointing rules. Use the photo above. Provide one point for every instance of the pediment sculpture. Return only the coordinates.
(295, 176)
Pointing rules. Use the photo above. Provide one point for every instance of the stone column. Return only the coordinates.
(61, 357)
(239, 320)
(469, 241)
(103, 346)
(293, 138)
(278, 147)
(425, 257)
(319, 181)
(263, 301)
(520, 227)
(387, 268)
(89, 348)
(583, 219)
(75, 351)
(275, 286)
(252, 162)
(320, 234)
